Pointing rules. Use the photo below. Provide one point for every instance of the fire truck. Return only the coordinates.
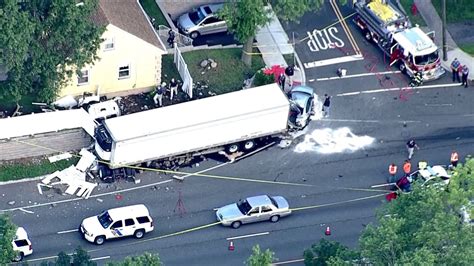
(390, 29)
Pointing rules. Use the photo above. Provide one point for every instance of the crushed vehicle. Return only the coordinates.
(253, 209)
(232, 122)
(436, 176)
(384, 24)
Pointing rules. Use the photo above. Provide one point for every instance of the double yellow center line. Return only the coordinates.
(345, 27)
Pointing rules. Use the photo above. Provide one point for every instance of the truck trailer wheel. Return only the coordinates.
(249, 145)
(233, 148)
(105, 174)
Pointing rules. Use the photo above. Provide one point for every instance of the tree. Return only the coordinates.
(44, 42)
(63, 259)
(145, 259)
(81, 258)
(245, 17)
(259, 258)
(7, 234)
(424, 226)
(328, 253)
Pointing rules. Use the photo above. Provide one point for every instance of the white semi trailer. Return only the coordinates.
(233, 121)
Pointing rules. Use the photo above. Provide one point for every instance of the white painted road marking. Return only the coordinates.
(101, 258)
(357, 75)
(399, 89)
(67, 231)
(21, 209)
(287, 262)
(438, 104)
(332, 61)
(70, 254)
(246, 236)
(368, 121)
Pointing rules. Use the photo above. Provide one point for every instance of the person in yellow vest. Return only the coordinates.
(454, 158)
(392, 170)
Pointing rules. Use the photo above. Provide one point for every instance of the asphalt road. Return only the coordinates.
(335, 161)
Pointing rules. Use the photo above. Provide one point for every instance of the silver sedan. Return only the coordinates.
(253, 209)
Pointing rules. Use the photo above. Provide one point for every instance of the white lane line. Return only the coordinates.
(101, 258)
(67, 231)
(23, 210)
(92, 196)
(44, 258)
(367, 121)
(358, 75)
(287, 262)
(399, 89)
(438, 104)
(332, 61)
(119, 191)
(246, 236)
(70, 254)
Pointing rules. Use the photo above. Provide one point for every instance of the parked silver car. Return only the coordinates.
(202, 21)
(302, 106)
(253, 209)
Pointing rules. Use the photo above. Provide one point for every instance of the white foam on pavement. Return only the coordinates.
(329, 141)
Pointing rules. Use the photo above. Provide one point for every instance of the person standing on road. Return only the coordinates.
(407, 167)
(454, 159)
(290, 72)
(392, 170)
(173, 88)
(465, 74)
(159, 91)
(326, 105)
(455, 65)
(411, 145)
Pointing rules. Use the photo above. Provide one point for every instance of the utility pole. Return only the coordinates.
(445, 49)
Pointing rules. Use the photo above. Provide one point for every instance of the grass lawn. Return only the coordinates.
(456, 10)
(226, 77)
(290, 59)
(154, 11)
(9, 105)
(468, 48)
(418, 19)
(24, 170)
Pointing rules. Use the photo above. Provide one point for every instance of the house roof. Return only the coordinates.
(128, 16)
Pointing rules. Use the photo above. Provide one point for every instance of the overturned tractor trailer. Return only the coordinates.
(384, 24)
(236, 121)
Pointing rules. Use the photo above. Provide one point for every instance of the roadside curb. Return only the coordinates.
(23, 180)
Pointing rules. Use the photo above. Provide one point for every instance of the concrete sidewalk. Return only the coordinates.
(273, 43)
(434, 22)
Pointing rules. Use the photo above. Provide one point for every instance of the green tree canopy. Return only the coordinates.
(260, 258)
(245, 17)
(7, 234)
(328, 253)
(41, 43)
(424, 225)
(147, 259)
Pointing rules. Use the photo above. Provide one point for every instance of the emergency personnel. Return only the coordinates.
(411, 145)
(407, 167)
(454, 158)
(417, 79)
(392, 170)
(455, 65)
(465, 74)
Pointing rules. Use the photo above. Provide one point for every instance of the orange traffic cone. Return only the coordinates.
(231, 246)
(328, 231)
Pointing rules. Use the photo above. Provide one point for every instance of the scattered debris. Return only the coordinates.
(59, 157)
(11, 202)
(74, 177)
(23, 210)
(100, 200)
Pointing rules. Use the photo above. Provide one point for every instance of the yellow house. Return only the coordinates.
(129, 57)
